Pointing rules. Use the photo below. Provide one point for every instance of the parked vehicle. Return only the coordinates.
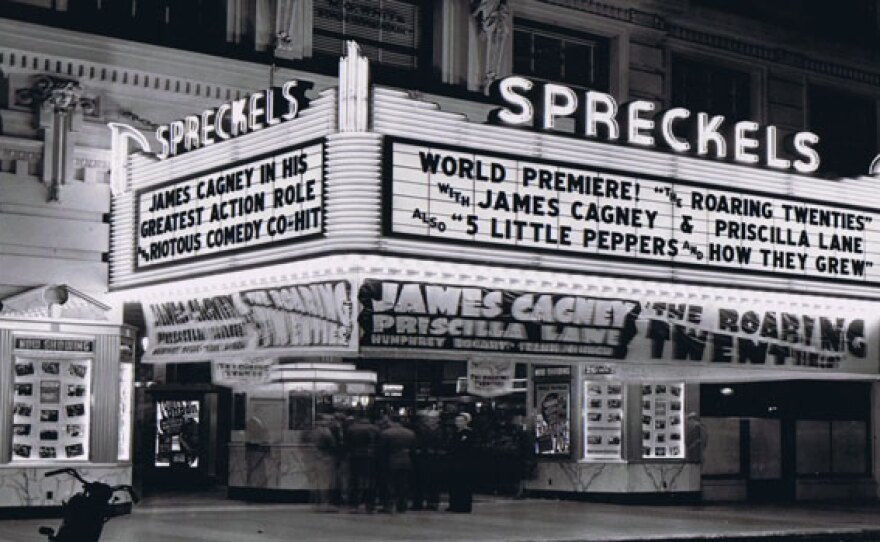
(85, 513)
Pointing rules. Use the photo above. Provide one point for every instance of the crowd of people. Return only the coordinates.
(388, 463)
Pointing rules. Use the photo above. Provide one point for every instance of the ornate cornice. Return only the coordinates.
(60, 94)
(94, 74)
(724, 43)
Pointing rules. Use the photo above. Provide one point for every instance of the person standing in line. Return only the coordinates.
(361, 439)
(696, 437)
(396, 444)
(338, 424)
(461, 457)
(427, 461)
(326, 451)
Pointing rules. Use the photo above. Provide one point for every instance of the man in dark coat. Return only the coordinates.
(396, 443)
(461, 458)
(428, 460)
(326, 447)
(361, 439)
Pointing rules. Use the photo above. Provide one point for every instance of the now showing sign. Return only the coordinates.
(462, 195)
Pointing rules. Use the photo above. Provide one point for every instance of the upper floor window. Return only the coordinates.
(853, 21)
(700, 86)
(847, 129)
(390, 32)
(554, 54)
(167, 22)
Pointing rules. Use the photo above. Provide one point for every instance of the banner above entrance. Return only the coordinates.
(441, 317)
(301, 318)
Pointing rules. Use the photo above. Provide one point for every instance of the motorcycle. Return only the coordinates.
(85, 513)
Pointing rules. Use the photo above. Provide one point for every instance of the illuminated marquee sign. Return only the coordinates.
(276, 197)
(597, 115)
(260, 110)
(448, 193)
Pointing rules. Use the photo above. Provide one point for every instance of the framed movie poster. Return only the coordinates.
(51, 409)
(663, 421)
(603, 420)
(177, 433)
(552, 410)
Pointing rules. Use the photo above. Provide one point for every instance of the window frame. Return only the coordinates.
(423, 53)
(757, 78)
(834, 85)
(603, 46)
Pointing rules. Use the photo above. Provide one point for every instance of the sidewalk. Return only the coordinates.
(210, 519)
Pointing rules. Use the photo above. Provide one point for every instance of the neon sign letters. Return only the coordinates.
(260, 110)
(597, 115)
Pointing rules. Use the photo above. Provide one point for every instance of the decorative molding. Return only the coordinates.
(120, 137)
(724, 43)
(132, 116)
(91, 72)
(53, 300)
(61, 94)
(91, 163)
(21, 154)
(354, 90)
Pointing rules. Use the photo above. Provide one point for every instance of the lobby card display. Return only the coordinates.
(603, 420)
(177, 433)
(51, 409)
(663, 421)
(553, 418)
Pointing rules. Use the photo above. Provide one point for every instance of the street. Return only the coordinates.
(216, 520)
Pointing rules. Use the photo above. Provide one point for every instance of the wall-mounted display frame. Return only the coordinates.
(663, 430)
(603, 420)
(177, 433)
(51, 408)
(552, 410)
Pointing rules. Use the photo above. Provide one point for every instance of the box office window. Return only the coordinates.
(663, 428)
(847, 128)
(51, 413)
(390, 32)
(603, 420)
(710, 88)
(554, 54)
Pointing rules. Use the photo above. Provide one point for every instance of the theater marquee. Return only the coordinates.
(712, 332)
(273, 198)
(463, 195)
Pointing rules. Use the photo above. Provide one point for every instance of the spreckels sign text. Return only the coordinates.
(638, 123)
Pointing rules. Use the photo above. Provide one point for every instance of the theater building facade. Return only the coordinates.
(686, 307)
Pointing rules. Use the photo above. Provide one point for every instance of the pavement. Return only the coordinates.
(198, 518)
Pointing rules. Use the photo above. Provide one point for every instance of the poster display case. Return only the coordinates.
(51, 409)
(663, 421)
(552, 395)
(177, 433)
(603, 420)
